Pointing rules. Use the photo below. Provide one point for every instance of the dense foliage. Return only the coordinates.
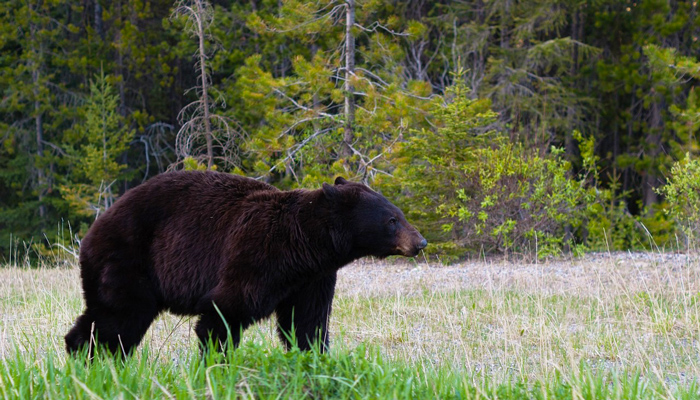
(453, 107)
(683, 194)
(471, 190)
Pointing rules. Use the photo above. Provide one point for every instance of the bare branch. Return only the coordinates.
(376, 25)
(302, 107)
(298, 147)
(327, 15)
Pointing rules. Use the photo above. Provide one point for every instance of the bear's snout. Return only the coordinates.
(411, 243)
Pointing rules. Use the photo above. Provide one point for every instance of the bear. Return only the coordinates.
(231, 250)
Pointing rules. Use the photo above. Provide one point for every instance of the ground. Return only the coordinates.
(618, 312)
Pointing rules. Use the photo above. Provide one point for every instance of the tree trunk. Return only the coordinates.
(650, 181)
(505, 16)
(479, 65)
(98, 20)
(569, 142)
(630, 129)
(38, 118)
(254, 7)
(38, 122)
(120, 62)
(349, 134)
(203, 77)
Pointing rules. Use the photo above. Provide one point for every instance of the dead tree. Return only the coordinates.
(197, 121)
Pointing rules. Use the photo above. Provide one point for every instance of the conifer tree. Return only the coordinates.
(343, 113)
(34, 109)
(94, 147)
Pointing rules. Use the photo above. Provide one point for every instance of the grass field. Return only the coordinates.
(609, 326)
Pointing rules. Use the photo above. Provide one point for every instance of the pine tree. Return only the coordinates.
(34, 109)
(94, 148)
(635, 97)
(332, 112)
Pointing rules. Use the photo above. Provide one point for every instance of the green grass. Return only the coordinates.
(565, 330)
(260, 371)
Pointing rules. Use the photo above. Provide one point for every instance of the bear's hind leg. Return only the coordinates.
(120, 306)
(80, 335)
(305, 313)
(119, 332)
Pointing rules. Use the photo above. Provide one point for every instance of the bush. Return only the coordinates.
(515, 201)
(683, 196)
(468, 190)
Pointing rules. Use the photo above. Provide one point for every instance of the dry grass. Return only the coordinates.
(626, 313)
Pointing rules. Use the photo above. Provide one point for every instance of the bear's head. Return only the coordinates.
(367, 224)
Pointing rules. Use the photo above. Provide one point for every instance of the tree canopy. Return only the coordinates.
(97, 96)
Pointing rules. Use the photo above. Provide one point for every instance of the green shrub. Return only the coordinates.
(608, 225)
(191, 164)
(515, 201)
(469, 190)
(682, 192)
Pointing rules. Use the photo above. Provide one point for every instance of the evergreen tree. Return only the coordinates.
(94, 148)
(315, 89)
(34, 110)
(331, 113)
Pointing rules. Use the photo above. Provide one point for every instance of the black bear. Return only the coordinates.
(228, 248)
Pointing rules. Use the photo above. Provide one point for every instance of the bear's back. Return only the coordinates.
(176, 225)
(183, 195)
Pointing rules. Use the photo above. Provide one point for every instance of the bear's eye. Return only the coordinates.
(392, 221)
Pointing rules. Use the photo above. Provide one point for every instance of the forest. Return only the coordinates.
(527, 127)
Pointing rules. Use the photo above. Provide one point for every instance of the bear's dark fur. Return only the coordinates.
(214, 244)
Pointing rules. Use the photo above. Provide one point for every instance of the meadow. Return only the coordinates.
(616, 326)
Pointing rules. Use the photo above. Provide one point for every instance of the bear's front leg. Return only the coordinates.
(306, 312)
(220, 318)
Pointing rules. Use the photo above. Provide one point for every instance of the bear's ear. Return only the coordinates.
(340, 181)
(330, 192)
